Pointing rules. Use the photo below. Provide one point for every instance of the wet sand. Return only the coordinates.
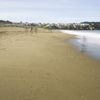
(43, 66)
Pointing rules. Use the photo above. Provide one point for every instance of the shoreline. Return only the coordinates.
(43, 66)
(86, 41)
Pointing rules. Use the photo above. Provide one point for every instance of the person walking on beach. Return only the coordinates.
(31, 29)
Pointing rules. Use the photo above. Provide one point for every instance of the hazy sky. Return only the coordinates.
(50, 10)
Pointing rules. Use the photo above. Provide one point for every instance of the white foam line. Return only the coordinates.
(92, 37)
(79, 33)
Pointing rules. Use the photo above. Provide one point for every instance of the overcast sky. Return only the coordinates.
(50, 10)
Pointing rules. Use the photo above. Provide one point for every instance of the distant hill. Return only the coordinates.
(5, 22)
(96, 25)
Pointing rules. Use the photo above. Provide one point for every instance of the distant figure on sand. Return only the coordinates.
(31, 29)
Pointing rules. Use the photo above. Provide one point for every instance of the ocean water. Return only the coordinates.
(87, 41)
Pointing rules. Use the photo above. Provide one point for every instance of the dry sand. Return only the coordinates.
(43, 66)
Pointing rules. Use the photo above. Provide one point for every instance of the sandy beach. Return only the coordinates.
(43, 66)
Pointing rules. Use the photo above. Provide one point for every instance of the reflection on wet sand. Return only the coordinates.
(83, 44)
